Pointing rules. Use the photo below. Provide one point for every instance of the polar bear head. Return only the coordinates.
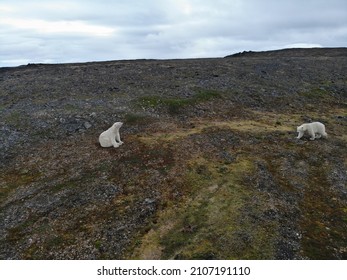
(301, 128)
(116, 126)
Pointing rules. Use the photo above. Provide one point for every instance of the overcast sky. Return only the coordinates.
(58, 31)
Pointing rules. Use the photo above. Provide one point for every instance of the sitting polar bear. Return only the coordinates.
(111, 136)
(315, 130)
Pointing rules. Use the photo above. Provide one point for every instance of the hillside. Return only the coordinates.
(210, 167)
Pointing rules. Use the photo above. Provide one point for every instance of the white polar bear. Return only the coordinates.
(111, 136)
(315, 130)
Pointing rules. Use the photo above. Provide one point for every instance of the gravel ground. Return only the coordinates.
(210, 167)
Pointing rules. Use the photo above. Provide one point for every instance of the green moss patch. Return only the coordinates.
(174, 105)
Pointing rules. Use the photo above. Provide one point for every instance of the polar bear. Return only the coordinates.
(111, 136)
(315, 130)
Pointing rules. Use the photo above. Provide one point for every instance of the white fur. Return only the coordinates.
(111, 136)
(315, 130)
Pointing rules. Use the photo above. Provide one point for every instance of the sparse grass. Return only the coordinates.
(206, 224)
(258, 127)
(71, 108)
(206, 95)
(318, 92)
(171, 104)
(19, 232)
(16, 179)
(2, 108)
(150, 101)
(133, 119)
(14, 118)
(324, 218)
(257, 124)
(215, 220)
(174, 105)
(63, 186)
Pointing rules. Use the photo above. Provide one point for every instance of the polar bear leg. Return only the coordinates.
(300, 135)
(118, 138)
(323, 133)
(114, 143)
(318, 136)
(311, 133)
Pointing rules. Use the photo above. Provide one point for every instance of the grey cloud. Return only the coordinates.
(164, 29)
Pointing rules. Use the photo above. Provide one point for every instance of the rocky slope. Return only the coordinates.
(210, 167)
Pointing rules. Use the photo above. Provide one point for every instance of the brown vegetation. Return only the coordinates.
(210, 167)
